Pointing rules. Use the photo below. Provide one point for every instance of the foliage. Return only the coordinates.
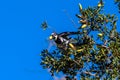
(100, 44)
(44, 25)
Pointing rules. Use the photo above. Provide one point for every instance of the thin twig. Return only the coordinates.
(71, 19)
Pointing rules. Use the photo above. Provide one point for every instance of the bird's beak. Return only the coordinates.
(50, 37)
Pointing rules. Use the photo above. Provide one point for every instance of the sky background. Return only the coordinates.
(22, 39)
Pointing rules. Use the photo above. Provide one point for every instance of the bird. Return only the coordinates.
(63, 41)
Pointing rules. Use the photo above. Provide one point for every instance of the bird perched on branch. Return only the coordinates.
(62, 40)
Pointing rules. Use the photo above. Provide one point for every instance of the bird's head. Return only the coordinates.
(53, 36)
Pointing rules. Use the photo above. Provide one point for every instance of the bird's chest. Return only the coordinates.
(59, 41)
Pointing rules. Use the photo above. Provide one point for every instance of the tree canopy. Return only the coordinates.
(97, 47)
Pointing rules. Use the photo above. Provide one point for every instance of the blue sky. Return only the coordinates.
(22, 39)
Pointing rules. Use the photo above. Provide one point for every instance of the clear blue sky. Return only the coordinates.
(21, 38)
